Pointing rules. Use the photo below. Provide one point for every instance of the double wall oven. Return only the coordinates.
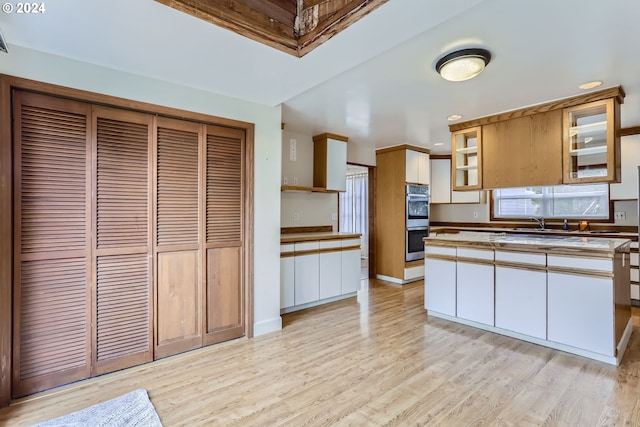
(417, 220)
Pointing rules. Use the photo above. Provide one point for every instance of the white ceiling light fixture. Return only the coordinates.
(463, 64)
(454, 117)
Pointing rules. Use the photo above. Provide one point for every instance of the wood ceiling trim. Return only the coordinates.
(274, 23)
(342, 18)
(241, 19)
(613, 92)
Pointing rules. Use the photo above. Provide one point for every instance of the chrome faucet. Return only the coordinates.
(539, 220)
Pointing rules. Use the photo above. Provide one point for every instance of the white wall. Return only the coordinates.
(460, 212)
(48, 68)
(311, 208)
(360, 154)
(298, 171)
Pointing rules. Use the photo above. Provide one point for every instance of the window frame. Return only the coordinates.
(610, 219)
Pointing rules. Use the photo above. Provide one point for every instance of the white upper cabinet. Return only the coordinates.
(630, 154)
(417, 167)
(330, 162)
(440, 181)
(441, 185)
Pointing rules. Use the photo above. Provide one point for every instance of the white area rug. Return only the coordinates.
(131, 409)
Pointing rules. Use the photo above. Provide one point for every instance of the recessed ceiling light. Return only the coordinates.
(437, 144)
(454, 117)
(463, 64)
(590, 85)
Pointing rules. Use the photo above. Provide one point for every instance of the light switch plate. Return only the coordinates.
(292, 149)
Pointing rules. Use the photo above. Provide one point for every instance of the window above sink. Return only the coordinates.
(576, 202)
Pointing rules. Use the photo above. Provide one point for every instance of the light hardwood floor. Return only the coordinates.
(378, 360)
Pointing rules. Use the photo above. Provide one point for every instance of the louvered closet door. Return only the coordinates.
(123, 334)
(178, 266)
(224, 234)
(52, 333)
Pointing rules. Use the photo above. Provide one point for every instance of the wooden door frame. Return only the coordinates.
(7, 85)
(371, 194)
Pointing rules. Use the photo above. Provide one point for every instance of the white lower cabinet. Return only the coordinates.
(350, 270)
(330, 270)
(287, 281)
(581, 312)
(521, 301)
(440, 286)
(314, 271)
(307, 273)
(475, 292)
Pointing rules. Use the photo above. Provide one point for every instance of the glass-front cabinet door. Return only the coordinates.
(466, 149)
(591, 151)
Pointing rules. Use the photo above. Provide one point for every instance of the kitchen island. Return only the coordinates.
(568, 293)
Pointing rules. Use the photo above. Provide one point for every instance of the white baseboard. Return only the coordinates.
(266, 326)
(396, 280)
(317, 303)
(389, 279)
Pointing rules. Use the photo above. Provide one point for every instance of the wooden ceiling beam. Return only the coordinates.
(272, 10)
(273, 22)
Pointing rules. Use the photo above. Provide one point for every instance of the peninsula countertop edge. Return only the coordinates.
(559, 245)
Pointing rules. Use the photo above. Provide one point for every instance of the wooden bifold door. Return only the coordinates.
(128, 238)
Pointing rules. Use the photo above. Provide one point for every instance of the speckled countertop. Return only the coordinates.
(572, 245)
(609, 233)
(310, 237)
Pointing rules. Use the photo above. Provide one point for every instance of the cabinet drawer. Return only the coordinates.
(307, 246)
(634, 259)
(475, 254)
(350, 242)
(289, 247)
(522, 258)
(633, 273)
(634, 245)
(330, 244)
(439, 250)
(599, 264)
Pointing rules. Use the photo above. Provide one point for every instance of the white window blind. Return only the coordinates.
(587, 201)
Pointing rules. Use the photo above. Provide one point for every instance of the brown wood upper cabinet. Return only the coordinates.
(569, 141)
(523, 151)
